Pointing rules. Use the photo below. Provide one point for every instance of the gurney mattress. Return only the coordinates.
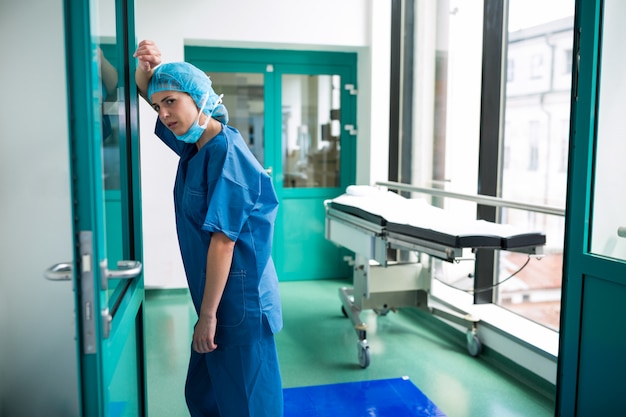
(417, 219)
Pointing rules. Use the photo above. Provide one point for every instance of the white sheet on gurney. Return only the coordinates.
(417, 213)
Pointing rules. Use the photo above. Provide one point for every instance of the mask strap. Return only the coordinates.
(204, 101)
(217, 103)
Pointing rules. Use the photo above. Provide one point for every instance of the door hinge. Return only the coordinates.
(351, 89)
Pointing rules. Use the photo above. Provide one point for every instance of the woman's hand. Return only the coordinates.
(149, 57)
(204, 335)
(148, 54)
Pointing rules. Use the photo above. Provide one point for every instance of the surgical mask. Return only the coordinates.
(195, 131)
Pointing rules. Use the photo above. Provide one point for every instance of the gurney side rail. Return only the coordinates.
(480, 199)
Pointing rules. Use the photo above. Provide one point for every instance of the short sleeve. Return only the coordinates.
(234, 189)
(229, 207)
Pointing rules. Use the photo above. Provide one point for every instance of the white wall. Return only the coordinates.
(361, 26)
(38, 365)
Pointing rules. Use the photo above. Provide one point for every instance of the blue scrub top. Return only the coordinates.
(223, 188)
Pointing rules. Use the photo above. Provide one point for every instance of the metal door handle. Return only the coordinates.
(63, 271)
(125, 270)
(621, 231)
(59, 272)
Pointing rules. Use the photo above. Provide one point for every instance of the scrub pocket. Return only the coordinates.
(195, 205)
(232, 309)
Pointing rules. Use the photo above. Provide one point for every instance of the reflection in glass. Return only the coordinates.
(311, 130)
(244, 99)
(112, 128)
(110, 124)
(608, 236)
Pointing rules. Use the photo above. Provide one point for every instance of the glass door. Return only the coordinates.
(317, 136)
(591, 357)
(297, 110)
(105, 190)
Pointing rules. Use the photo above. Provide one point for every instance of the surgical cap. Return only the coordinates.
(186, 78)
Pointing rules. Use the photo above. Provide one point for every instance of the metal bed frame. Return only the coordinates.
(384, 285)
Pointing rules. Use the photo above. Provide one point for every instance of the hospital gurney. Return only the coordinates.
(370, 221)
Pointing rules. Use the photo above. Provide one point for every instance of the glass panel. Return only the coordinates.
(111, 106)
(244, 98)
(447, 101)
(535, 141)
(608, 236)
(311, 130)
(535, 146)
(121, 365)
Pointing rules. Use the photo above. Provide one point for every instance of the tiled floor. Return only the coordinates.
(318, 346)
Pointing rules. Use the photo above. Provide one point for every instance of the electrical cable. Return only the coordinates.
(491, 287)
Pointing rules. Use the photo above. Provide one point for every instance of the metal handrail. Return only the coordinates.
(480, 199)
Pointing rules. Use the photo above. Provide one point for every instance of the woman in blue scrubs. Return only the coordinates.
(225, 207)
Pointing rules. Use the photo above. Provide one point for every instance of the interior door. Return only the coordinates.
(297, 110)
(106, 207)
(592, 363)
(317, 137)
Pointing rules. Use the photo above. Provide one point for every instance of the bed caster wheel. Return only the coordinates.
(474, 346)
(364, 354)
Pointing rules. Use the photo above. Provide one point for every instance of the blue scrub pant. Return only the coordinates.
(237, 381)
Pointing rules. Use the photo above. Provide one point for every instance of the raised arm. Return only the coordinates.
(149, 57)
(109, 76)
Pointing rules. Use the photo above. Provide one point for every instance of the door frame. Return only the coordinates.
(589, 279)
(102, 338)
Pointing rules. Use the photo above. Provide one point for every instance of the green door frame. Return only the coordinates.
(82, 71)
(273, 64)
(582, 126)
(102, 339)
(591, 352)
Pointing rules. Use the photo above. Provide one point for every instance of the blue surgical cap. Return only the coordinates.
(186, 78)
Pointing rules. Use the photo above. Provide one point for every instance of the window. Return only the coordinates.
(564, 145)
(533, 146)
(446, 148)
(506, 149)
(527, 149)
(535, 292)
(536, 66)
(567, 61)
(510, 71)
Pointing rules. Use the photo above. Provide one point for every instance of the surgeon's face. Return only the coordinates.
(176, 110)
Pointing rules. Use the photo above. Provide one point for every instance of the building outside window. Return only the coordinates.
(540, 101)
(533, 143)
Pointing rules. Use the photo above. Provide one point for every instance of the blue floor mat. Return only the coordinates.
(396, 397)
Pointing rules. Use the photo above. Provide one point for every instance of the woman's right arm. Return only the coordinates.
(149, 57)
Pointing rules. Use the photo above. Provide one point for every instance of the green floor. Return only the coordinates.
(319, 346)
